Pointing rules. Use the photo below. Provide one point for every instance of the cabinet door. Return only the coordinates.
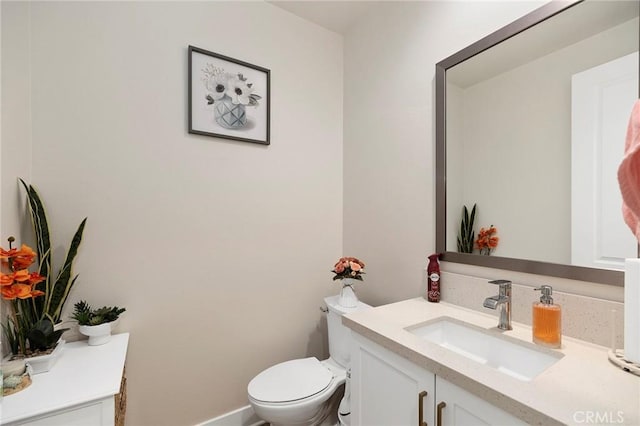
(456, 406)
(96, 413)
(386, 389)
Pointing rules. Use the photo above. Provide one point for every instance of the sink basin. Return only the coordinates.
(509, 356)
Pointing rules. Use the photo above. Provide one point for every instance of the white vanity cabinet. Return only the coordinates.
(388, 390)
(80, 389)
(456, 406)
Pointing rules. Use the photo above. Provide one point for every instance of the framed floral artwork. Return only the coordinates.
(228, 98)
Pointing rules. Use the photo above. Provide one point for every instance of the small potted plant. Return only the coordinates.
(95, 323)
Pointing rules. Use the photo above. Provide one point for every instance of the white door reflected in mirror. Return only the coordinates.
(601, 100)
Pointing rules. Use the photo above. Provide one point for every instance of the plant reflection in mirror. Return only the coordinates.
(467, 234)
(487, 241)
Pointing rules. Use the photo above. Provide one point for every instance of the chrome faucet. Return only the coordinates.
(503, 300)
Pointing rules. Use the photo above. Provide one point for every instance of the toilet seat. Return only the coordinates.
(290, 381)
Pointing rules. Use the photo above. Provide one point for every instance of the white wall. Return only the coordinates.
(15, 121)
(219, 250)
(389, 153)
(15, 128)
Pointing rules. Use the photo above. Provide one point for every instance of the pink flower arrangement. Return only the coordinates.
(348, 267)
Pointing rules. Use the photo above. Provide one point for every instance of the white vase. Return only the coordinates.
(348, 298)
(98, 334)
(43, 363)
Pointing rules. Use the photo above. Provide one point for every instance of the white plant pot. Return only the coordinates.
(43, 363)
(98, 334)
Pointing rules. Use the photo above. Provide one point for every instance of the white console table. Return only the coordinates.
(78, 391)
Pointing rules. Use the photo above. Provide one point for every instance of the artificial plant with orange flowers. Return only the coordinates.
(487, 241)
(18, 286)
(37, 302)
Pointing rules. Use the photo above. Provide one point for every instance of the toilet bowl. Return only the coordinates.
(306, 392)
(298, 392)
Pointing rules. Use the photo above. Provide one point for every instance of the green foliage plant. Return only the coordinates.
(86, 315)
(38, 316)
(466, 236)
(56, 290)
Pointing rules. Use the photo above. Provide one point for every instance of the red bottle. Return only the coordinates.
(433, 279)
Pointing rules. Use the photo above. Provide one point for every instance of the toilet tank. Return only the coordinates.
(339, 335)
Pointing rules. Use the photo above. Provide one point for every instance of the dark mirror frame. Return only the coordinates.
(595, 275)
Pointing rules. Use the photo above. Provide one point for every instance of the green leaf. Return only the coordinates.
(39, 219)
(466, 234)
(63, 283)
(473, 216)
(11, 334)
(42, 336)
(85, 315)
(43, 243)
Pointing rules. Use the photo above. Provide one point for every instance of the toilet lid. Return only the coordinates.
(290, 381)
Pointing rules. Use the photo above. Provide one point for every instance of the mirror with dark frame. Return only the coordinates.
(530, 127)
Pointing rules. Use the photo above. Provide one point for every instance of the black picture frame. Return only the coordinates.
(228, 98)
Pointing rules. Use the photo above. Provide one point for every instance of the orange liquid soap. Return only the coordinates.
(547, 320)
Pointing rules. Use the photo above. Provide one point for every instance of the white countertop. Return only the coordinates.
(583, 383)
(82, 374)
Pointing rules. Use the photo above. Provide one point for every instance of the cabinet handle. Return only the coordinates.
(439, 413)
(421, 397)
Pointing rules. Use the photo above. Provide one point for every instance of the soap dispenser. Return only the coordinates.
(547, 324)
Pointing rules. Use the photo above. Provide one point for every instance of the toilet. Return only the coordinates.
(302, 392)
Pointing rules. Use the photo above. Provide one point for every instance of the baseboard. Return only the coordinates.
(241, 417)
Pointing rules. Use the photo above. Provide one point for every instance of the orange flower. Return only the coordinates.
(5, 254)
(20, 283)
(23, 257)
(35, 278)
(6, 279)
(486, 241)
(359, 262)
(20, 291)
(348, 267)
(21, 275)
(7, 293)
(36, 293)
(25, 250)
